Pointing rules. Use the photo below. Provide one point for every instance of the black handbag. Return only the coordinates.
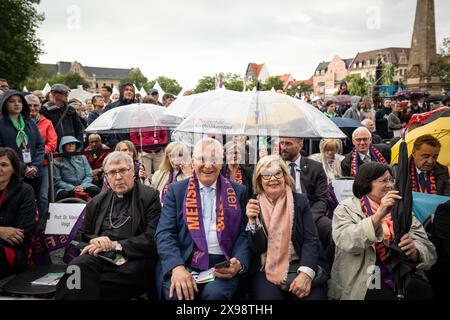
(320, 279)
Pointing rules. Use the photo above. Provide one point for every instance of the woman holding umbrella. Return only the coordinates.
(363, 232)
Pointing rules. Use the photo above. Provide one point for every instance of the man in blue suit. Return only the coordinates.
(203, 223)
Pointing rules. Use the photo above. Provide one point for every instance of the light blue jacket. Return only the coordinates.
(70, 172)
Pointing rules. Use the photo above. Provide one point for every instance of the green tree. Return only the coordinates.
(135, 76)
(443, 63)
(300, 89)
(358, 86)
(71, 79)
(388, 73)
(272, 82)
(38, 78)
(233, 81)
(205, 84)
(19, 45)
(167, 84)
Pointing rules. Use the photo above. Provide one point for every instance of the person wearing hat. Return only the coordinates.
(155, 94)
(64, 117)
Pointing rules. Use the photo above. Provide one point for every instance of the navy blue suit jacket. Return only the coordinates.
(173, 240)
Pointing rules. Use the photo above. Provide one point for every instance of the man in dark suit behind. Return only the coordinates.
(202, 223)
(310, 179)
(122, 220)
(364, 152)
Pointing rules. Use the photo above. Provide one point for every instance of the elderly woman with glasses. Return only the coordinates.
(363, 232)
(282, 237)
(175, 166)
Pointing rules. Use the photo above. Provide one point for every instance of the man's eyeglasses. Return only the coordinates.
(113, 173)
(361, 139)
(386, 180)
(212, 160)
(278, 175)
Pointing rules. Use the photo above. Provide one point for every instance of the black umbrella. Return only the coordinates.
(399, 264)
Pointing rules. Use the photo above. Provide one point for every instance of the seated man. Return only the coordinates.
(96, 159)
(427, 174)
(363, 152)
(122, 220)
(202, 223)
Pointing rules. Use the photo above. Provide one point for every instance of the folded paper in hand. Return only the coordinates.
(204, 276)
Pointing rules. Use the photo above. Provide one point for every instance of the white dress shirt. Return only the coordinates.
(298, 185)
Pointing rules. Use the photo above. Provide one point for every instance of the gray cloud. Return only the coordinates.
(188, 39)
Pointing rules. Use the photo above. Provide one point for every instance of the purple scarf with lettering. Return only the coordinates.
(228, 219)
(171, 179)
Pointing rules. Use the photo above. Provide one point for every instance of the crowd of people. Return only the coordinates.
(174, 213)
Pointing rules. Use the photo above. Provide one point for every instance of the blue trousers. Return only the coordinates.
(219, 289)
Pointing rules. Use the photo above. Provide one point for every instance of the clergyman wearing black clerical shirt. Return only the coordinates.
(121, 220)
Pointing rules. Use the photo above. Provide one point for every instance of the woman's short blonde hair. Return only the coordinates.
(330, 143)
(266, 162)
(174, 147)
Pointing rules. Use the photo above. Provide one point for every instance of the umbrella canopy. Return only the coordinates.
(80, 93)
(256, 113)
(398, 263)
(346, 123)
(423, 117)
(440, 129)
(444, 113)
(133, 116)
(343, 100)
(407, 94)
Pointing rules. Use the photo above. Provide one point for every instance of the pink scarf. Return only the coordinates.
(278, 220)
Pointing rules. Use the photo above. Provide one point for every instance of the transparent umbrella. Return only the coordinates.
(253, 113)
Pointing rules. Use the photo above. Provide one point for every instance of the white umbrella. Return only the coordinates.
(184, 106)
(142, 116)
(46, 89)
(255, 114)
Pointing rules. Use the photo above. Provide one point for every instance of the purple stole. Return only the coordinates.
(228, 220)
(381, 251)
(165, 189)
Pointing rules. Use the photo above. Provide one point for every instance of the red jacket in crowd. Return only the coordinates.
(48, 134)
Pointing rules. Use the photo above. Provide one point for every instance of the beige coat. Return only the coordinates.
(355, 236)
(160, 178)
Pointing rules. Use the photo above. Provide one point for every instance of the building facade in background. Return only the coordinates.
(328, 75)
(96, 76)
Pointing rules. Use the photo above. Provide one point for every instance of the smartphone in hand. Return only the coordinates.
(223, 264)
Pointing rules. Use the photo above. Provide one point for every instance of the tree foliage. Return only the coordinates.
(135, 76)
(40, 77)
(358, 86)
(19, 45)
(206, 83)
(443, 63)
(167, 84)
(300, 89)
(272, 82)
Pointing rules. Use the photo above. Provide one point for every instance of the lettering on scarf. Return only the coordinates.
(192, 215)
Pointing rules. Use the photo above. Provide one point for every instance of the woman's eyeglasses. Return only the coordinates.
(278, 175)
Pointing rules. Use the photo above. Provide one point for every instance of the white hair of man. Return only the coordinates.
(117, 157)
(359, 129)
(32, 98)
(208, 144)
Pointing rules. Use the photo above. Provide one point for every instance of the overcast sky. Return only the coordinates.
(187, 39)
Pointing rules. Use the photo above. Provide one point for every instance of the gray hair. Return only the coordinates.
(208, 144)
(117, 157)
(32, 98)
(361, 129)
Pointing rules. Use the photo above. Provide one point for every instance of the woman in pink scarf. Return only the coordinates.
(282, 234)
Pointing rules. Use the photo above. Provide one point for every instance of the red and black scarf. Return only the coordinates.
(431, 180)
(374, 153)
